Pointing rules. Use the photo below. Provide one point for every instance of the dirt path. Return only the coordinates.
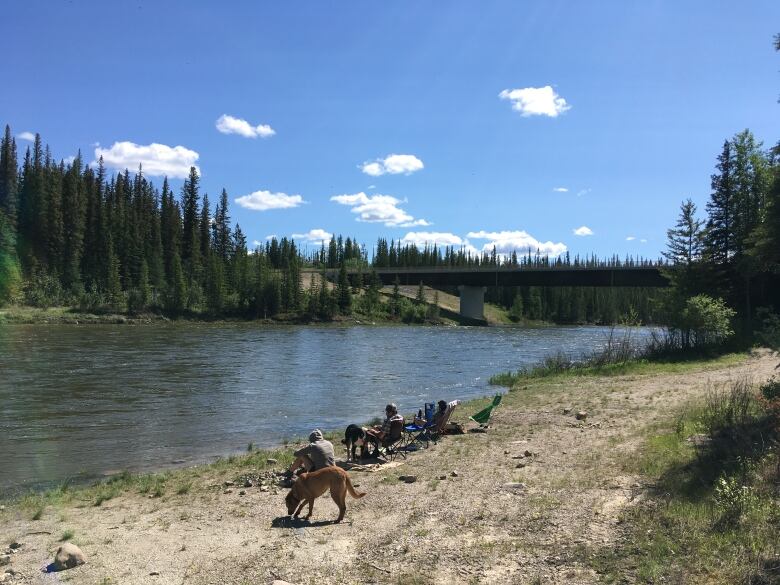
(495, 518)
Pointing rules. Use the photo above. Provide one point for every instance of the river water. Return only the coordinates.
(78, 402)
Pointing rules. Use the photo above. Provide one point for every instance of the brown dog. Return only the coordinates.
(310, 486)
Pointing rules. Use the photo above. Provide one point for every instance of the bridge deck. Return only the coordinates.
(625, 277)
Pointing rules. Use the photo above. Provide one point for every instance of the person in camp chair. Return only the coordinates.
(392, 419)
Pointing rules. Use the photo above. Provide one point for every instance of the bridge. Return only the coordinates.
(472, 282)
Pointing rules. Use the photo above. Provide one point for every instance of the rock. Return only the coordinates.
(5, 577)
(516, 487)
(263, 488)
(506, 452)
(11, 571)
(271, 461)
(528, 453)
(408, 478)
(442, 477)
(5, 560)
(520, 465)
(280, 582)
(2, 508)
(242, 493)
(67, 557)
(154, 573)
(454, 473)
(581, 415)
(567, 411)
(248, 483)
(228, 491)
(229, 483)
(15, 545)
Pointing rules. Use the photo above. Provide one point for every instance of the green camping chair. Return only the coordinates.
(483, 416)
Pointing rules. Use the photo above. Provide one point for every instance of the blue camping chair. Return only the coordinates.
(418, 434)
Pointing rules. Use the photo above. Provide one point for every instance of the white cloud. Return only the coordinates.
(507, 242)
(257, 243)
(68, 160)
(265, 200)
(430, 238)
(536, 101)
(230, 125)
(270, 237)
(583, 231)
(644, 241)
(394, 164)
(316, 235)
(630, 238)
(379, 209)
(561, 190)
(582, 192)
(156, 159)
(29, 136)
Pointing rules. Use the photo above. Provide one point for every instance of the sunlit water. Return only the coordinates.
(84, 401)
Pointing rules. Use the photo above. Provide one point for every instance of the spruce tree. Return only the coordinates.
(343, 293)
(190, 246)
(685, 241)
(8, 178)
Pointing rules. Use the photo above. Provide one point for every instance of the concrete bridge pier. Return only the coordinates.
(472, 301)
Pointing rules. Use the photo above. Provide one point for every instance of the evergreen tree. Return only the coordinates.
(685, 241)
(719, 237)
(516, 312)
(190, 246)
(10, 275)
(343, 292)
(8, 178)
(420, 298)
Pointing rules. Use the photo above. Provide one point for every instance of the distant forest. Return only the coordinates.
(74, 235)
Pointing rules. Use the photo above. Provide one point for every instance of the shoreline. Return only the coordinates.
(538, 498)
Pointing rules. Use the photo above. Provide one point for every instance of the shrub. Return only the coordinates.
(701, 321)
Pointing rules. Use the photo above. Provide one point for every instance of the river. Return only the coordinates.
(78, 402)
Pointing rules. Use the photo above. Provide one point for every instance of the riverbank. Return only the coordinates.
(537, 499)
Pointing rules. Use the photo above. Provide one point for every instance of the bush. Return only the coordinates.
(43, 290)
(769, 333)
(700, 322)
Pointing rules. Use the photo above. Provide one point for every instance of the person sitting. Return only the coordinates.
(393, 422)
(440, 413)
(317, 454)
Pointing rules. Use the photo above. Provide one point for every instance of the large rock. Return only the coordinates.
(67, 557)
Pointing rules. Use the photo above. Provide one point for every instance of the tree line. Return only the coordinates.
(73, 234)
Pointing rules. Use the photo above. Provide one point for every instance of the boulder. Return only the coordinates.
(67, 557)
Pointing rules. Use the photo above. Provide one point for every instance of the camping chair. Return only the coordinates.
(483, 416)
(435, 433)
(392, 445)
(416, 434)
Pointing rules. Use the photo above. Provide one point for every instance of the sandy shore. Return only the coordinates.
(518, 504)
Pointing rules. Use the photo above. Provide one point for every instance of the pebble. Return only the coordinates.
(567, 411)
(5, 560)
(528, 453)
(408, 478)
(248, 483)
(229, 483)
(15, 545)
(581, 415)
(442, 477)
(454, 473)
(263, 488)
(242, 493)
(520, 465)
(228, 491)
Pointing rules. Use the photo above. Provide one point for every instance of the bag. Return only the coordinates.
(454, 428)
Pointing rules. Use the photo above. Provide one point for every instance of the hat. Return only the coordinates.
(316, 435)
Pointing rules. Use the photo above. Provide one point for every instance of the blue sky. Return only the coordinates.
(492, 106)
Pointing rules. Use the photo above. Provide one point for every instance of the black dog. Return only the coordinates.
(354, 437)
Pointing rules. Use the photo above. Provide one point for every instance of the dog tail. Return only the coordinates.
(352, 491)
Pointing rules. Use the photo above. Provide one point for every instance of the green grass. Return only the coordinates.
(67, 535)
(712, 514)
(553, 369)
